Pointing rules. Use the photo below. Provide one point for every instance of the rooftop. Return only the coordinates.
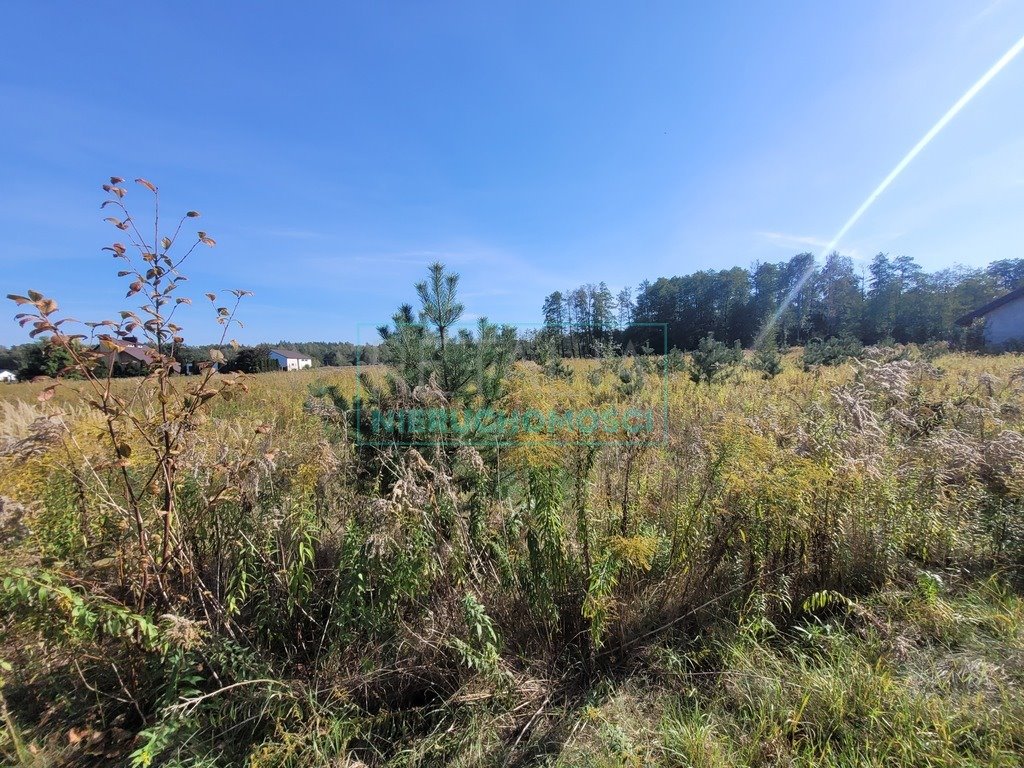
(291, 354)
(1013, 295)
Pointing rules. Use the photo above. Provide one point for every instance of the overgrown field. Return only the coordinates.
(820, 568)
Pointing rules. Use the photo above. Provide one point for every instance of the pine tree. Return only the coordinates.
(464, 367)
(440, 309)
(767, 359)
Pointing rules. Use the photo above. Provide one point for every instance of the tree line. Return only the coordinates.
(40, 358)
(893, 300)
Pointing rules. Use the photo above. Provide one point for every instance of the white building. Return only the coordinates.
(290, 360)
(8, 377)
(1004, 319)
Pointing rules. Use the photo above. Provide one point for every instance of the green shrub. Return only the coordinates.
(767, 359)
(831, 351)
(714, 360)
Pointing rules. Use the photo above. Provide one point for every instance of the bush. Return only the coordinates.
(713, 360)
(675, 361)
(767, 360)
(251, 360)
(44, 359)
(831, 351)
(550, 359)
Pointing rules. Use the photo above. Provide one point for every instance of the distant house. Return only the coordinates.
(1004, 319)
(290, 360)
(137, 357)
(8, 377)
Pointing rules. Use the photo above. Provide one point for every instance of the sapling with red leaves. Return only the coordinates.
(156, 410)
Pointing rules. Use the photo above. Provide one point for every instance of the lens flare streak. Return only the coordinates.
(962, 102)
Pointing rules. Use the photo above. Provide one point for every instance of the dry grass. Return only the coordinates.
(635, 603)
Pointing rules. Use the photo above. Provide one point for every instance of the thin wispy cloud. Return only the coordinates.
(792, 243)
(785, 240)
(989, 9)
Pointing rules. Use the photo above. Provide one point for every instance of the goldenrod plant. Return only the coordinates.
(813, 567)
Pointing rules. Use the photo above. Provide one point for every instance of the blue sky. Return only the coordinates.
(336, 149)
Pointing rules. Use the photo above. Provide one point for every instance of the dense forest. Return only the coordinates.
(894, 300)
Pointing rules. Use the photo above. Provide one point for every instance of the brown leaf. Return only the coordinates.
(193, 214)
(147, 184)
(47, 394)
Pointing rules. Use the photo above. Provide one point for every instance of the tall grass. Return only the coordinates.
(746, 586)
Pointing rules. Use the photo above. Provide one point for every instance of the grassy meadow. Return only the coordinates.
(816, 569)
